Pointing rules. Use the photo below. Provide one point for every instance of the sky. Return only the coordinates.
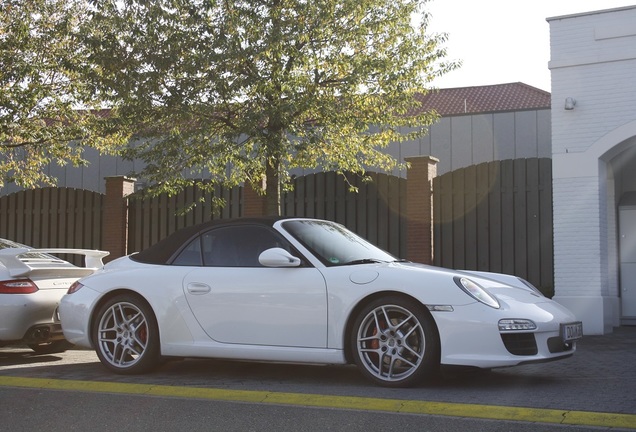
(502, 41)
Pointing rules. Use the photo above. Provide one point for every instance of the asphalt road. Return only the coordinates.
(593, 390)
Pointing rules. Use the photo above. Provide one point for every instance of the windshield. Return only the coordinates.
(334, 244)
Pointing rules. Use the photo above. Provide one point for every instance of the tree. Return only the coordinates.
(246, 90)
(45, 105)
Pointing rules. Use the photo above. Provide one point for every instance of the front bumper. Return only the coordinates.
(470, 336)
(75, 316)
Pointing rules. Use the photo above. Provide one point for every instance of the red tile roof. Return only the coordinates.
(470, 100)
(483, 99)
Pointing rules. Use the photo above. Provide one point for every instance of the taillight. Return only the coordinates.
(74, 288)
(18, 286)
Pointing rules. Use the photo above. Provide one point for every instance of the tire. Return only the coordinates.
(126, 335)
(395, 342)
(51, 347)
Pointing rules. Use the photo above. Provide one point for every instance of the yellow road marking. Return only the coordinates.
(534, 415)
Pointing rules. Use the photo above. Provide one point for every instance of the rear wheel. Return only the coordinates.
(126, 335)
(395, 343)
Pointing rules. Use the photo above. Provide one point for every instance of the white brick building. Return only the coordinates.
(593, 65)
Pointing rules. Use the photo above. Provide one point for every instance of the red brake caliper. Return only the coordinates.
(143, 334)
(375, 344)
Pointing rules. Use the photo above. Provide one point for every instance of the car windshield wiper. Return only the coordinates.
(364, 261)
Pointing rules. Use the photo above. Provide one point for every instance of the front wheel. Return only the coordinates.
(395, 342)
(126, 335)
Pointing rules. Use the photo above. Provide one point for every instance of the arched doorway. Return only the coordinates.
(593, 191)
(621, 160)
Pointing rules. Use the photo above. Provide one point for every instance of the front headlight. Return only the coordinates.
(474, 290)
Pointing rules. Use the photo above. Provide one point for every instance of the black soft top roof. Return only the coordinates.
(163, 251)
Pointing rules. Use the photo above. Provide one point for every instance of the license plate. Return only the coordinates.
(571, 331)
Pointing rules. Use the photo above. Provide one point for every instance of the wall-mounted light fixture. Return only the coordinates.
(569, 103)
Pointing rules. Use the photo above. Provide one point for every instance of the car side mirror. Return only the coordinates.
(278, 257)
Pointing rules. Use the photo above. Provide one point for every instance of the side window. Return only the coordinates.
(191, 255)
(238, 246)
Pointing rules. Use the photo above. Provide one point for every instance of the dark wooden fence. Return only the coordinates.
(375, 212)
(494, 217)
(151, 219)
(497, 216)
(53, 217)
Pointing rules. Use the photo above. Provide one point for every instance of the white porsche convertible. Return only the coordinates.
(307, 290)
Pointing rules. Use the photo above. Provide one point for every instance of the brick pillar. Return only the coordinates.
(115, 216)
(254, 204)
(419, 208)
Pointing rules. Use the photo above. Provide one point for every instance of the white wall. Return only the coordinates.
(593, 61)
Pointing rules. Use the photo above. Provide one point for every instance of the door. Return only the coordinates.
(627, 246)
(260, 306)
(238, 301)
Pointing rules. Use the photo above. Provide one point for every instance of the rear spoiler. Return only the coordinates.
(10, 258)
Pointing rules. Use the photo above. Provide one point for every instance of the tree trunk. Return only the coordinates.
(272, 190)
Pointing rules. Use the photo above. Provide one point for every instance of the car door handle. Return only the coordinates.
(198, 288)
